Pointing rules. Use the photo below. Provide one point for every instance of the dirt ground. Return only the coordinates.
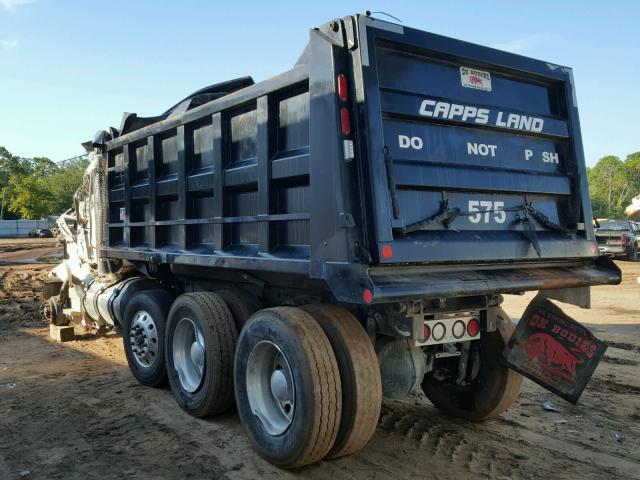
(73, 410)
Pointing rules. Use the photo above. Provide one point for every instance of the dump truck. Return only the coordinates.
(304, 245)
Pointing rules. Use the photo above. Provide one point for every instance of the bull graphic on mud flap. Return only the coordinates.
(553, 356)
(554, 350)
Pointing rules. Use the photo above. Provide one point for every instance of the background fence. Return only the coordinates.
(21, 228)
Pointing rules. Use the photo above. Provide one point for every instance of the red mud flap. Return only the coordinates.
(554, 350)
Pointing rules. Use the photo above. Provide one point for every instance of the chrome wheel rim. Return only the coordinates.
(143, 338)
(270, 387)
(189, 354)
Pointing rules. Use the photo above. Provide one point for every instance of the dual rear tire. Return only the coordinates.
(189, 343)
(202, 333)
(307, 384)
(288, 389)
(200, 342)
(307, 381)
(359, 373)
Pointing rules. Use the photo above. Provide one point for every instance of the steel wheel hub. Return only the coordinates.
(270, 387)
(143, 338)
(189, 354)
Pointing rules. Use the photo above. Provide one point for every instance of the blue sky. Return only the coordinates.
(68, 69)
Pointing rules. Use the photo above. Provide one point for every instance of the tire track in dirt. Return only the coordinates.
(624, 346)
(619, 361)
(437, 437)
(447, 439)
(606, 385)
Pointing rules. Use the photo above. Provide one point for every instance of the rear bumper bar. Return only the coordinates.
(389, 284)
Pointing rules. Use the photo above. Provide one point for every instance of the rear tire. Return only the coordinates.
(632, 256)
(200, 343)
(145, 319)
(288, 389)
(242, 305)
(359, 374)
(494, 388)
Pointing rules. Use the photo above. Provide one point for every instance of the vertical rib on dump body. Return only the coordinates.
(225, 181)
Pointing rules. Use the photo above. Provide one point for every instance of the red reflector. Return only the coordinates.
(345, 122)
(473, 327)
(387, 251)
(425, 333)
(342, 87)
(367, 296)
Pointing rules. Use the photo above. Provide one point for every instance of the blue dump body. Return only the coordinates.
(388, 160)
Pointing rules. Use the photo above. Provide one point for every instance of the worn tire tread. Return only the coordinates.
(358, 364)
(326, 379)
(514, 379)
(241, 303)
(219, 320)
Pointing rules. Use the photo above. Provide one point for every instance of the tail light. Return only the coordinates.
(473, 327)
(343, 95)
(426, 332)
(345, 122)
(342, 88)
(623, 239)
(450, 327)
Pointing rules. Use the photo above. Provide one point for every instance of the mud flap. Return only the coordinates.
(554, 350)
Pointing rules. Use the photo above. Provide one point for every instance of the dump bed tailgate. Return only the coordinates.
(473, 154)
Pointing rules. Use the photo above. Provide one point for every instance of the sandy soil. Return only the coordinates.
(74, 411)
(28, 250)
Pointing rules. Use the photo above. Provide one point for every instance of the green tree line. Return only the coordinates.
(613, 183)
(36, 187)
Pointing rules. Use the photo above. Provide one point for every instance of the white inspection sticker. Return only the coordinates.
(476, 79)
